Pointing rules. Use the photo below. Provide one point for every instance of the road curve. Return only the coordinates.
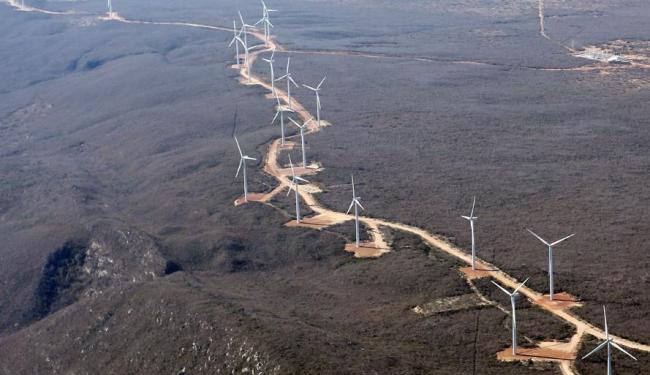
(272, 168)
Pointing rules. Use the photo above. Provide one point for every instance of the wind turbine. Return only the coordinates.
(471, 219)
(271, 61)
(356, 204)
(513, 297)
(242, 162)
(289, 82)
(266, 22)
(294, 185)
(280, 112)
(236, 40)
(302, 138)
(550, 258)
(317, 91)
(609, 342)
(244, 26)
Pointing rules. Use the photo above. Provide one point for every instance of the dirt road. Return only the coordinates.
(272, 167)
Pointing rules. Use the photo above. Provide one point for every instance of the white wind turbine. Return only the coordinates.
(302, 138)
(550, 258)
(280, 113)
(236, 39)
(356, 204)
(317, 91)
(271, 61)
(290, 81)
(244, 26)
(266, 22)
(513, 297)
(294, 185)
(609, 342)
(471, 219)
(242, 162)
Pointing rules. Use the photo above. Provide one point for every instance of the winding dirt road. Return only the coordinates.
(272, 167)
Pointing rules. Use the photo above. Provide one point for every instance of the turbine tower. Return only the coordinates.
(280, 113)
(236, 39)
(471, 219)
(242, 162)
(513, 297)
(244, 26)
(356, 204)
(271, 61)
(550, 258)
(290, 81)
(294, 185)
(302, 138)
(317, 91)
(609, 343)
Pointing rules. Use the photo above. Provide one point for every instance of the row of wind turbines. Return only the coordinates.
(608, 343)
(295, 181)
(355, 204)
(240, 38)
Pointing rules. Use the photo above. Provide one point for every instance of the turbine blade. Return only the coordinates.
(301, 179)
(276, 115)
(241, 161)
(502, 288)
(359, 203)
(565, 238)
(238, 148)
(473, 204)
(291, 164)
(606, 329)
(295, 123)
(294, 82)
(538, 237)
(321, 83)
(623, 350)
(600, 346)
(309, 87)
(248, 158)
(241, 19)
(350, 208)
(290, 187)
(308, 121)
(466, 217)
(520, 285)
(288, 62)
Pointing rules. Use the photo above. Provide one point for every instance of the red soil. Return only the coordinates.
(540, 354)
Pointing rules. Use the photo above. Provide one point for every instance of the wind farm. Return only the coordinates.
(297, 276)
